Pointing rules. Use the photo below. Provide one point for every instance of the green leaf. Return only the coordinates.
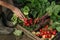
(25, 10)
(53, 3)
(56, 10)
(17, 32)
(14, 19)
(55, 24)
(58, 29)
(49, 10)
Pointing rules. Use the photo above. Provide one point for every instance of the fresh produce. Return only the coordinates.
(28, 22)
(38, 15)
(43, 21)
(17, 32)
(34, 32)
(45, 32)
(25, 10)
(14, 19)
(54, 10)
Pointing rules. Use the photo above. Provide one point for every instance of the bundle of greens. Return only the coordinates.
(54, 11)
(33, 9)
(38, 7)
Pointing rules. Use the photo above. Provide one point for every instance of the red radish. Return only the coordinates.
(27, 24)
(30, 21)
(45, 32)
(51, 31)
(42, 33)
(54, 33)
(49, 35)
(46, 26)
(54, 30)
(25, 19)
(48, 32)
(40, 30)
(46, 36)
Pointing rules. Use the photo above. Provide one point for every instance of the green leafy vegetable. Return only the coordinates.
(17, 32)
(55, 24)
(58, 29)
(14, 19)
(26, 10)
(37, 8)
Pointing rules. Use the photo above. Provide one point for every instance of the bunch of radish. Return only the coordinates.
(28, 22)
(45, 32)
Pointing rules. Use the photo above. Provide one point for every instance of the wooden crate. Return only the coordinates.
(29, 34)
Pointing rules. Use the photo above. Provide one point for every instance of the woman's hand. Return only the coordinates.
(13, 9)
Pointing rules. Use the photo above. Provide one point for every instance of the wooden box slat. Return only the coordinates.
(29, 34)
